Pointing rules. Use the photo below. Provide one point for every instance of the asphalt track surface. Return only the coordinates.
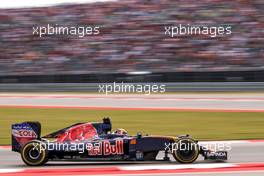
(241, 152)
(224, 102)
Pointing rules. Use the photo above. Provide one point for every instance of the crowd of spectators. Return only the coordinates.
(132, 37)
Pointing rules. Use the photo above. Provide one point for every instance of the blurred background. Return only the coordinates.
(131, 46)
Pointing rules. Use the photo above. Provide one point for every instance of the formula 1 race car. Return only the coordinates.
(94, 141)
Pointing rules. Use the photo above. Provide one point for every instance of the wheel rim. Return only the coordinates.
(34, 154)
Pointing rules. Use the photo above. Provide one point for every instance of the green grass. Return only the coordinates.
(201, 125)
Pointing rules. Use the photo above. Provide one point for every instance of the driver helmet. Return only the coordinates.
(120, 131)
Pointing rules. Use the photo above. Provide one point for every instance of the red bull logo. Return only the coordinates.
(78, 133)
(106, 148)
(116, 149)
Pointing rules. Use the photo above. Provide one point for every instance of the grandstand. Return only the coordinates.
(132, 38)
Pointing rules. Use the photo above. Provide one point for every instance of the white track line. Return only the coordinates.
(182, 166)
(11, 170)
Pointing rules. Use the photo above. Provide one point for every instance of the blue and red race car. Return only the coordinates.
(94, 141)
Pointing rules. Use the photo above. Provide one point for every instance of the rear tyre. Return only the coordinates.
(185, 150)
(34, 153)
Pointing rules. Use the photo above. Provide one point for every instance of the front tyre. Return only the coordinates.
(34, 153)
(185, 150)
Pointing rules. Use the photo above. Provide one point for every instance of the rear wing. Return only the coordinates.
(23, 133)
